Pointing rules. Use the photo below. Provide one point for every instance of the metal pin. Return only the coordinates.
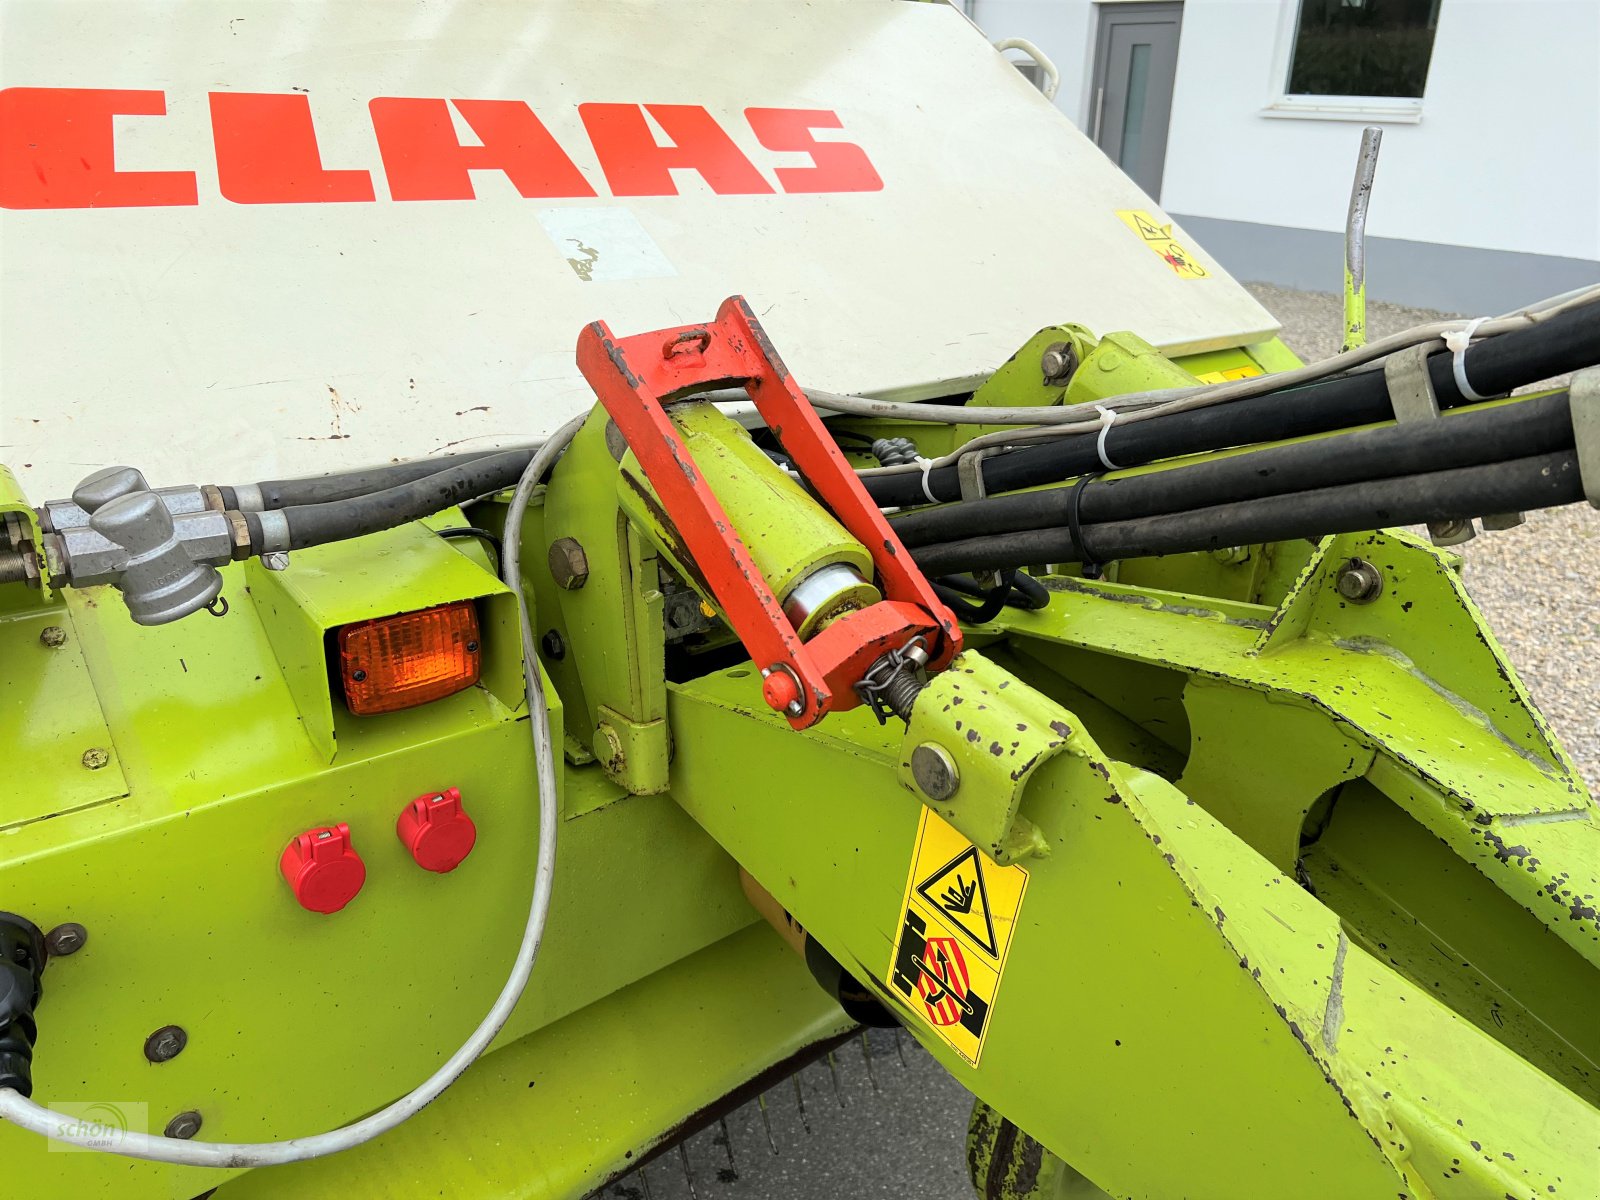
(727, 1144)
(898, 1048)
(688, 1175)
(866, 1053)
(833, 1069)
(761, 1102)
(800, 1099)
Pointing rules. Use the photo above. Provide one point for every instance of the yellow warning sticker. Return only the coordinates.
(1230, 374)
(960, 910)
(1159, 238)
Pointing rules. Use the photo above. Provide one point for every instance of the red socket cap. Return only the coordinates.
(323, 869)
(436, 830)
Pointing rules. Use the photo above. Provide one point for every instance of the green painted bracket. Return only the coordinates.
(588, 1098)
(997, 731)
(1422, 617)
(613, 612)
(1124, 362)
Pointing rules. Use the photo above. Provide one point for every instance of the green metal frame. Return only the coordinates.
(1310, 902)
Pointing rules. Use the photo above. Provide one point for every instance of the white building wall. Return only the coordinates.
(1494, 191)
(1506, 155)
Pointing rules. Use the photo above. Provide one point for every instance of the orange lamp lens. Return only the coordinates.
(402, 661)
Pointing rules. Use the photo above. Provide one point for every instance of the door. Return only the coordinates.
(1136, 62)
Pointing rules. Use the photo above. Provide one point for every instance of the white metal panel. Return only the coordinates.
(229, 342)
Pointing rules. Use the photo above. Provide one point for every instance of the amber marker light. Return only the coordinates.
(402, 661)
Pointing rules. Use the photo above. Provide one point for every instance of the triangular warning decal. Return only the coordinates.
(1151, 232)
(959, 894)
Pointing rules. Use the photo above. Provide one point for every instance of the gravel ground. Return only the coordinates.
(1536, 584)
(898, 1129)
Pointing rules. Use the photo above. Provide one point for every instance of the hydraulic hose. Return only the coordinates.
(1540, 425)
(25, 1114)
(1519, 485)
(338, 520)
(1494, 366)
(320, 489)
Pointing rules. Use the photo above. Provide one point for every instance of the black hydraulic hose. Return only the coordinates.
(323, 489)
(1025, 590)
(1518, 485)
(991, 604)
(1494, 366)
(335, 521)
(1540, 425)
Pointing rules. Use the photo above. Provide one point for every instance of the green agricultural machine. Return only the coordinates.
(551, 571)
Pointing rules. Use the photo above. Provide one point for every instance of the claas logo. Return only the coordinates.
(58, 150)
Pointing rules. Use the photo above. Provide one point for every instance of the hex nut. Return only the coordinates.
(1359, 581)
(569, 565)
(52, 637)
(165, 1044)
(67, 939)
(555, 646)
(184, 1126)
(95, 757)
(935, 771)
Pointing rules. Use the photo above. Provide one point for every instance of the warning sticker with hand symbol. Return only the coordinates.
(950, 955)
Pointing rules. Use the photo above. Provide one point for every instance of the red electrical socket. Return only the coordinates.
(436, 831)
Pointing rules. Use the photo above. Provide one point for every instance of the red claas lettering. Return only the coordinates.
(58, 150)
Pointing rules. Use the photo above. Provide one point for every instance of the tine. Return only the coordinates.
(899, 1048)
(800, 1099)
(644, 1179)
(833, 1069)
(688, 1175)
(727, 1144)
(761, 1102)
(866, 1054)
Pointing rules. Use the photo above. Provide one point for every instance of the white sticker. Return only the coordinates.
(605, 244)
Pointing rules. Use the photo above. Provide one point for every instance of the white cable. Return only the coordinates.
(25, 1114)
(1457, 342)
(927, 465)
(1108, 418)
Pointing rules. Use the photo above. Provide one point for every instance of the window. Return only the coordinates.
(1362, 48)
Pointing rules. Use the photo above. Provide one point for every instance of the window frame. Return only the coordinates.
(1281, 103)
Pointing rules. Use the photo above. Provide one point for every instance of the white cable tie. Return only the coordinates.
(927, 465)
(1108, 418)
(1457, 341)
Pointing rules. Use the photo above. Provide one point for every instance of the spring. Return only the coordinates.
(894, 452)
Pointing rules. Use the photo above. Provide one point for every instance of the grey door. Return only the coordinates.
(1136, 61)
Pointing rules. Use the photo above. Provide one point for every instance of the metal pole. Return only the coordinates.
(1355, 238)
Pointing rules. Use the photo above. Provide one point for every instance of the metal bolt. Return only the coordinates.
(554, 645)
(1058, 362)
(608, 748)
(165, 1044)
(1451, 533)
(275, 560)
(66, 939)
(616, 444)
(52, 637)
(1232, 556)
(94, 758)
(935, 771)
(184, 1126)
(1359, 581)
(569, 565)
(358, 675)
